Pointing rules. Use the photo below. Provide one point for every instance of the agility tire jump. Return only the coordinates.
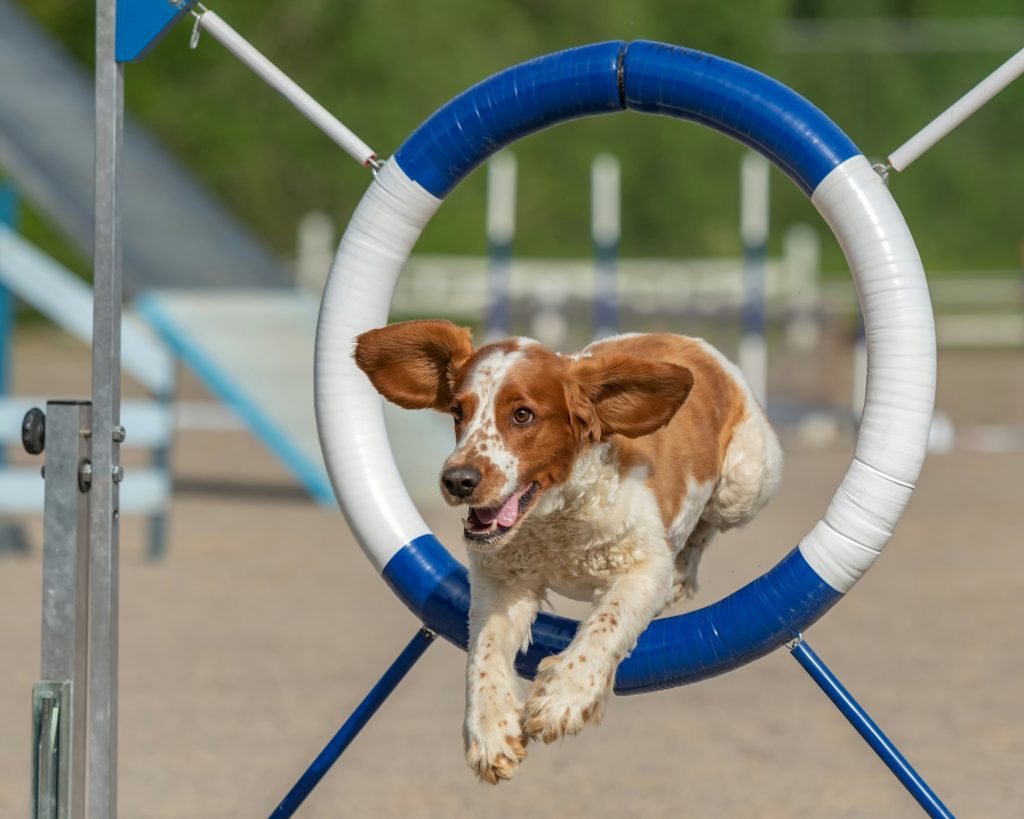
(766, 116)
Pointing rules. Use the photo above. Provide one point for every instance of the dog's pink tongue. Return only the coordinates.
(505, 514)
(509, 511)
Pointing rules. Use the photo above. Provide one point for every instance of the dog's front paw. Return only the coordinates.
(494, 746)
(567, 694)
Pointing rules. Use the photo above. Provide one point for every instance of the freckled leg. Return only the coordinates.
(499, 625)
(571, 687)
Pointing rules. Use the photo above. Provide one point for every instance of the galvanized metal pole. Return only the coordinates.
(58, 784)
(106, 397)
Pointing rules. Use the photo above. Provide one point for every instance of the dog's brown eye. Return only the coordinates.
(457, 413)
(522, 416)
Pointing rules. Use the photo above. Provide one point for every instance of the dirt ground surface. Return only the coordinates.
(242, 652)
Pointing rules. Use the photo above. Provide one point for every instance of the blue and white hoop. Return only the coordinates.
(764, 115)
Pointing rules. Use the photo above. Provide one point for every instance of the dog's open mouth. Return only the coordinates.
(486, 526)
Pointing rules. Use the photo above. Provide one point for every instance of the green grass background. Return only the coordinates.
(382, 66)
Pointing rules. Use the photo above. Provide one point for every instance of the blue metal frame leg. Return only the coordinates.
(871, 733)
(355, 723)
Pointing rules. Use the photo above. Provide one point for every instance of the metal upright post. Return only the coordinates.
(59, 700)
(106, 392)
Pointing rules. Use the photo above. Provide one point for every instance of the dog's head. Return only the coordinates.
(522, 413)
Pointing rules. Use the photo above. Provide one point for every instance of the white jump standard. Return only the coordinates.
(825, 164)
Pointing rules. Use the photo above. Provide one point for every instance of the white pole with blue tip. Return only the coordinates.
(754, 206)
(501, 232)
(605, 229)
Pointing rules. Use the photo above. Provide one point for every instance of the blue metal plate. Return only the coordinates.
(142, 23)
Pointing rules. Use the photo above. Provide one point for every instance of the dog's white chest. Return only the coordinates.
(597, 525)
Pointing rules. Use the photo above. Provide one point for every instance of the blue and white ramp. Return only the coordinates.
(251, 348)
(798, 138)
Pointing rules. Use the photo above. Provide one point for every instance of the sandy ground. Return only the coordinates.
(243, 651)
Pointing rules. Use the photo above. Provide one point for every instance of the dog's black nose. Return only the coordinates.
(461, 481)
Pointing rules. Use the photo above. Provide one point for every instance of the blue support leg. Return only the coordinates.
(355, 723)
(871, 733)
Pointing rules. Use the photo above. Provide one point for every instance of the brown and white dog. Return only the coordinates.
(602, 476)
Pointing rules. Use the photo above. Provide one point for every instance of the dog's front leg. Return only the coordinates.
(570, 688)
(500, 616)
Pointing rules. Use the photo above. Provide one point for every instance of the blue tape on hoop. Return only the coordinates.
(645, 76)
(141, 24)
(758, 111)
(511, 104)
(686, 84)
(748, 624)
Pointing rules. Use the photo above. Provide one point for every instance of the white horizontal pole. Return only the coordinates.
(957, 112)
(272, 75)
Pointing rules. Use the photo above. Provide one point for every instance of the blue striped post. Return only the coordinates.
(605, 231)
(860, 370)
(501, 231)
(802, 260)
(754, 206)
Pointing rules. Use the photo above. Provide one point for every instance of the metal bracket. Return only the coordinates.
(141, 24)
(59, 702)
(50, 740)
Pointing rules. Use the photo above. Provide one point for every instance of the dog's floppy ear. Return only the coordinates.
(414, 363)
(629, 395)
